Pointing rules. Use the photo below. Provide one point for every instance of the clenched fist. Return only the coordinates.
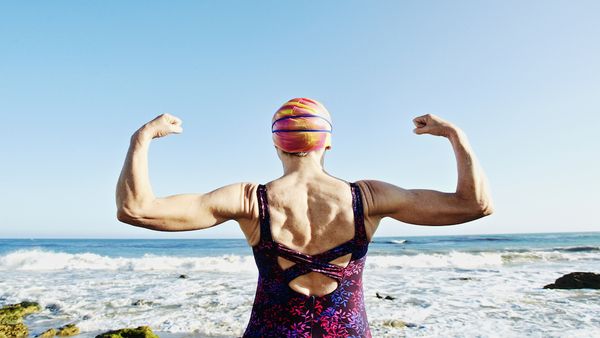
(431, 124)
(162, 125)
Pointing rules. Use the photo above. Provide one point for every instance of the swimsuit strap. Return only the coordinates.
(307, 263)
(263, 212)
(319, 262)
(360, 233)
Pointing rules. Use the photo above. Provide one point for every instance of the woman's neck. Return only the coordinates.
(309, 165)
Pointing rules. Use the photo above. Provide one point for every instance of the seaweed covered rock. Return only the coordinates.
(138, 332)
(395, 323)
(576, 280)
(14, 313)
(47, 334)
(63, 331)
(13, 330)
(67, 330)
(11, 319)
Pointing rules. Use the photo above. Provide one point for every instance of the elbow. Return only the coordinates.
(132, 213)
(473, 210)
(122, 215)
(486, 206)
(482, 209)
(474, 207)
(128, 216)
(488, 209)
(140, 219)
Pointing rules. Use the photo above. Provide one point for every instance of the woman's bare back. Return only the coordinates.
(311, 216)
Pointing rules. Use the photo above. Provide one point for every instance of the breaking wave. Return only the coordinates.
(36, 259)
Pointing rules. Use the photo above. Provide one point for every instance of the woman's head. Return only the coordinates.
(301, 125)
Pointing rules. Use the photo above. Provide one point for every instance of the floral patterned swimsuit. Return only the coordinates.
(279, 311)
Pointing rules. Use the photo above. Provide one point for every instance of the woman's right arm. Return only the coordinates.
(137, 205)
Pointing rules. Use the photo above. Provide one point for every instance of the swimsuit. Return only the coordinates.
(280, 311)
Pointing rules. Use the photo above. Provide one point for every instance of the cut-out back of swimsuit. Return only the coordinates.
(280, 311)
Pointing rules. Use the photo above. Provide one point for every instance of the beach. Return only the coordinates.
(438, 286)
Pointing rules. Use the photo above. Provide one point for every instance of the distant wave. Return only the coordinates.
(453, 239)
(393, 241)
(43, 260)
(578, 248)
(476, 239)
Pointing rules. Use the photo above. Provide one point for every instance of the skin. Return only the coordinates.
(310, 209)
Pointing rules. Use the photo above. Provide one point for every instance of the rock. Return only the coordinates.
(11, 319)
(462, 278)
(13, 330)
(398, 324)
(184, 276)
(48, 333)
(384, 297)
(14, 313)
(54, 308)
(139, 332)
(140, 302)
(63, 331)
(576, 280)
(67, 330)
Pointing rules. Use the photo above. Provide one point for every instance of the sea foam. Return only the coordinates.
(44, 260)
(36, 259)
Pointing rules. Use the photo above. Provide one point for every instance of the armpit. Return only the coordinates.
(371, 220)
(367, 197)
(249, 220)
(249, 203)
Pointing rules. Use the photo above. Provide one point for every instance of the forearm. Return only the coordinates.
(472, 183)
(134, 192)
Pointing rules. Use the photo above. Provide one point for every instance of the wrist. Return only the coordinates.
(141, 135)
(454, 133)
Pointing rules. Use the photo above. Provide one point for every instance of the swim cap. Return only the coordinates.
(301, 125)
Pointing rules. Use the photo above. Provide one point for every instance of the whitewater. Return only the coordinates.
(442, 286)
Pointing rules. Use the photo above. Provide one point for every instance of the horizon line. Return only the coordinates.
(242, 238)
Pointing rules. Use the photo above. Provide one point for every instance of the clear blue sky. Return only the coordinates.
(521, 78)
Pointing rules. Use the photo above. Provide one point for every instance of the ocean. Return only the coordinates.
(443, 286)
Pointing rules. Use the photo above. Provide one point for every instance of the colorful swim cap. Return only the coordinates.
(301, 125)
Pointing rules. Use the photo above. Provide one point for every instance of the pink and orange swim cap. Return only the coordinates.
(301, 125)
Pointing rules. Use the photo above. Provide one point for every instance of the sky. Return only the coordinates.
(77, 79)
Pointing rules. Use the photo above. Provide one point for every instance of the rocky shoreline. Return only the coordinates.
(12, 315)
(11, 319)
(11, 325)
(576, 280)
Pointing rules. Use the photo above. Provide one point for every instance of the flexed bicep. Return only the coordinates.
(184, 212)
(417, 206)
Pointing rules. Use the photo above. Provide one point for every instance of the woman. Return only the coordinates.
(309, 231)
